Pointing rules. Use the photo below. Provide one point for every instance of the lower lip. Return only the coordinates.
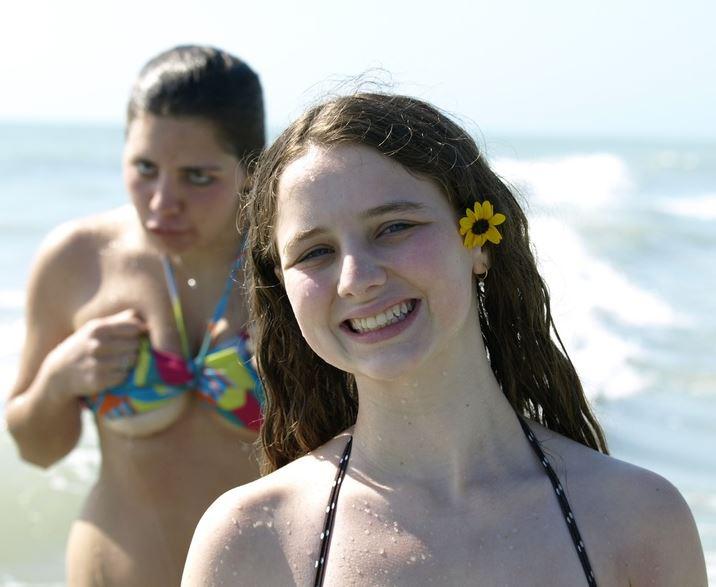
(387, 332)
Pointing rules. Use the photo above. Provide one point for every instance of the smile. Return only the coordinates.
(392, 315)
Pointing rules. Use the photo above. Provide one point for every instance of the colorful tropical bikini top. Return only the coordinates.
(223, 376)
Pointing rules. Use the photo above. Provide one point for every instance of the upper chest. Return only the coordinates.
(514, 537)
(135, 280)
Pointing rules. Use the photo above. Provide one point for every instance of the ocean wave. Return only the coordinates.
(592, 301)
(589, 181)
(698, 207)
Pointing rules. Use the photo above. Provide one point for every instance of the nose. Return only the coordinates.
(166, 198)
(359, 274)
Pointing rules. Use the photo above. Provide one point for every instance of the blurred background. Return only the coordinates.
(600, 114)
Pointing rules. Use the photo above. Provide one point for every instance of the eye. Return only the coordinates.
(315, 253)
(395, 227)
(199, 177)
(145, 168)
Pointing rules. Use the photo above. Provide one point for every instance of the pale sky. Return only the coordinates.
(565, 67)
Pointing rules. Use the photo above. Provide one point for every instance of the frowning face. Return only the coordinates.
(372, 262)
(182, 182)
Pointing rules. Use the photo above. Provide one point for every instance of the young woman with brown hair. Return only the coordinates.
(424, 424)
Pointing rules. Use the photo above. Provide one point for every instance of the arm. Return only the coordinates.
(57, 365)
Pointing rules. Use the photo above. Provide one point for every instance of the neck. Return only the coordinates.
(447, 426)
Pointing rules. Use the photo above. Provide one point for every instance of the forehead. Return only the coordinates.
(172, 134)
(347, 180)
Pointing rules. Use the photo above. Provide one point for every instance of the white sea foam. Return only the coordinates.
(589, 296)
(698, 207)
(586, 180)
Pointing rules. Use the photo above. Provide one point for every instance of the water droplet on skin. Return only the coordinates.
(269, 524)
(234, 522)
(258, 523)
(413, 558)
(381, 552)
(265, 508)
(393, 539)
(366, 531)
(191, 282)
(226, 547)
(422, 556)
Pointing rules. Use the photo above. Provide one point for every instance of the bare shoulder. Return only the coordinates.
(265, 532)
(635, 520)
(70, 245)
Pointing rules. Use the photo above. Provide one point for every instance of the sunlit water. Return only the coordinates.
(626, 236)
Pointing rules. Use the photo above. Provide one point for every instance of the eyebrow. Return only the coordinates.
(390, 207)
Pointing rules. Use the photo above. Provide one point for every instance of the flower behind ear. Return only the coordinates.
(479, 225)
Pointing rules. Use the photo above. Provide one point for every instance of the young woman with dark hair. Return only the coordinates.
(133, 314)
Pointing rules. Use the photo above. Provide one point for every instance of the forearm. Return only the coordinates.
(44, 420)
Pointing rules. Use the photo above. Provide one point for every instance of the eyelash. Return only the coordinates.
(402, 226)
(195, 177)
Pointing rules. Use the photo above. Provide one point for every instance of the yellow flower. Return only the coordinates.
(478, 226)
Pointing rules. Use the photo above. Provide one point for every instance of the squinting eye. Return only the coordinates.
(199, 177)
(145, 168)
(314, 254)
(396, 227)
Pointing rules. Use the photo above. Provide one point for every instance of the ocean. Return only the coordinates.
(625, 234)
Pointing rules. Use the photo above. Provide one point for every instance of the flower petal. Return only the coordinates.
(478, 211)
(479, 240)
(466, 223)
(498, 219)
(468, 240)
(470, 215)
(493, 235)
(487, 210)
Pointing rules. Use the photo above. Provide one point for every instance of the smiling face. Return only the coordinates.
(182, 182)
(373, 264)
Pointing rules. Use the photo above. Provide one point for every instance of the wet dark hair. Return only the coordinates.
(207, 83)
(310, 401)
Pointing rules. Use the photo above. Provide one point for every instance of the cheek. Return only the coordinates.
(308, 300)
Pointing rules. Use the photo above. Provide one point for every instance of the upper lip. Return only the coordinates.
(375, 308)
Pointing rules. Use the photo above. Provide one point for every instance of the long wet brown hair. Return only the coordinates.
(310, 401)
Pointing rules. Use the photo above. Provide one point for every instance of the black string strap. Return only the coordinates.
(563, 504)
(320, 564)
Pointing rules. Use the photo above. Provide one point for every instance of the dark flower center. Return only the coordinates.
(480, 227)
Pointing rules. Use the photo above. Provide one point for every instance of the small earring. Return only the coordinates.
(481, 277)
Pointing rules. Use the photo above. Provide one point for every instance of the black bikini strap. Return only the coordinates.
(320, 564)
(563, 503)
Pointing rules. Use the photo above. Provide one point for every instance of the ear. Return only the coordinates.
(480, 261)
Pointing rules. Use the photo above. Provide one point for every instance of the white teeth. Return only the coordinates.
(392, 315)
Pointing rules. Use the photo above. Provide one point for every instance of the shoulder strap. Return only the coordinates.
(176, 306)
(219, 311)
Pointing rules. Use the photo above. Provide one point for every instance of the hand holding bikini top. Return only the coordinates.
(159, 386)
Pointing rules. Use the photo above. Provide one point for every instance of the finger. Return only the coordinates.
(127, 329)
(109, 347)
